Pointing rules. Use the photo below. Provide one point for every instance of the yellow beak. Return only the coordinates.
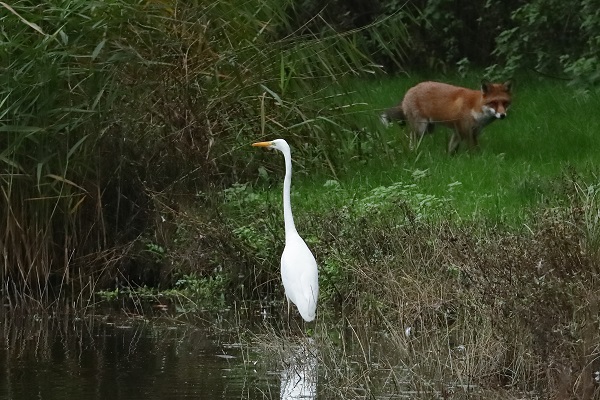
(261, 144)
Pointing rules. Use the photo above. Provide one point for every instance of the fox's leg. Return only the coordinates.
(418, 128)
(473, 138)
(454, 142)
(474, 142)
(460, 134)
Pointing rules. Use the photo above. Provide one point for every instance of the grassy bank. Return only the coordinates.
(540, 156)
(490, 258)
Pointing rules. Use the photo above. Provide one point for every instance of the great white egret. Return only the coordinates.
(299, 272)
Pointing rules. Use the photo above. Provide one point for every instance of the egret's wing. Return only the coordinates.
(310, 292)
(299, 275)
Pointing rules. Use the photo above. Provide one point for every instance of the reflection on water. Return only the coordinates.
(48, 358)
(299, 375)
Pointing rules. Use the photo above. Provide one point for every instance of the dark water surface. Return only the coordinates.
(52, 358)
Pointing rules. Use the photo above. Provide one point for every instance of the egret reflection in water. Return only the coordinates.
(299, 373)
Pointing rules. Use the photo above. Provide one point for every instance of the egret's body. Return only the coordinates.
(299, 272)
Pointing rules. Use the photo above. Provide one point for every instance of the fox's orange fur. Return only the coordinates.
(466, 111)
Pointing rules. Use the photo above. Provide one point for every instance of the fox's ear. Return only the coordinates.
(485, 86)
(508, 85)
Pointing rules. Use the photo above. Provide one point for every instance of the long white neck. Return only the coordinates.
(287, 184)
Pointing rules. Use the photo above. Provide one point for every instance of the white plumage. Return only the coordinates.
(299, 272)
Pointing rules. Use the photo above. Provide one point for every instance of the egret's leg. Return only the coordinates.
(288, 312)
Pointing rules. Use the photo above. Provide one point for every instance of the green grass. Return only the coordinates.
(550, 133)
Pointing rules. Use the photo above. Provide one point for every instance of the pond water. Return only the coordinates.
(57, 357)
(251, 354)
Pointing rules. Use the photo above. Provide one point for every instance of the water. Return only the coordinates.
(223, 356)
(52, 358)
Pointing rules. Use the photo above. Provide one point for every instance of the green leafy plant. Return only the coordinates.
(551, 37)
(202, 289)
(383, 197)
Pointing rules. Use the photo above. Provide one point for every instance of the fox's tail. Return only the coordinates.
(395, 113)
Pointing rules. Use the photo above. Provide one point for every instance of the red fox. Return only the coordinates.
(465, 110)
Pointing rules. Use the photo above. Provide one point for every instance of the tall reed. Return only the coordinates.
(118, 116)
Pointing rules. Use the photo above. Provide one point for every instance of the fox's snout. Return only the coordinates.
(492, 112)
(497, 110)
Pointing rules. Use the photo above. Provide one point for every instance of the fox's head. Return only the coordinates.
(496, 98)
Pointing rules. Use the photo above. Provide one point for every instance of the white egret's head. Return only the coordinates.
(278, 144)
